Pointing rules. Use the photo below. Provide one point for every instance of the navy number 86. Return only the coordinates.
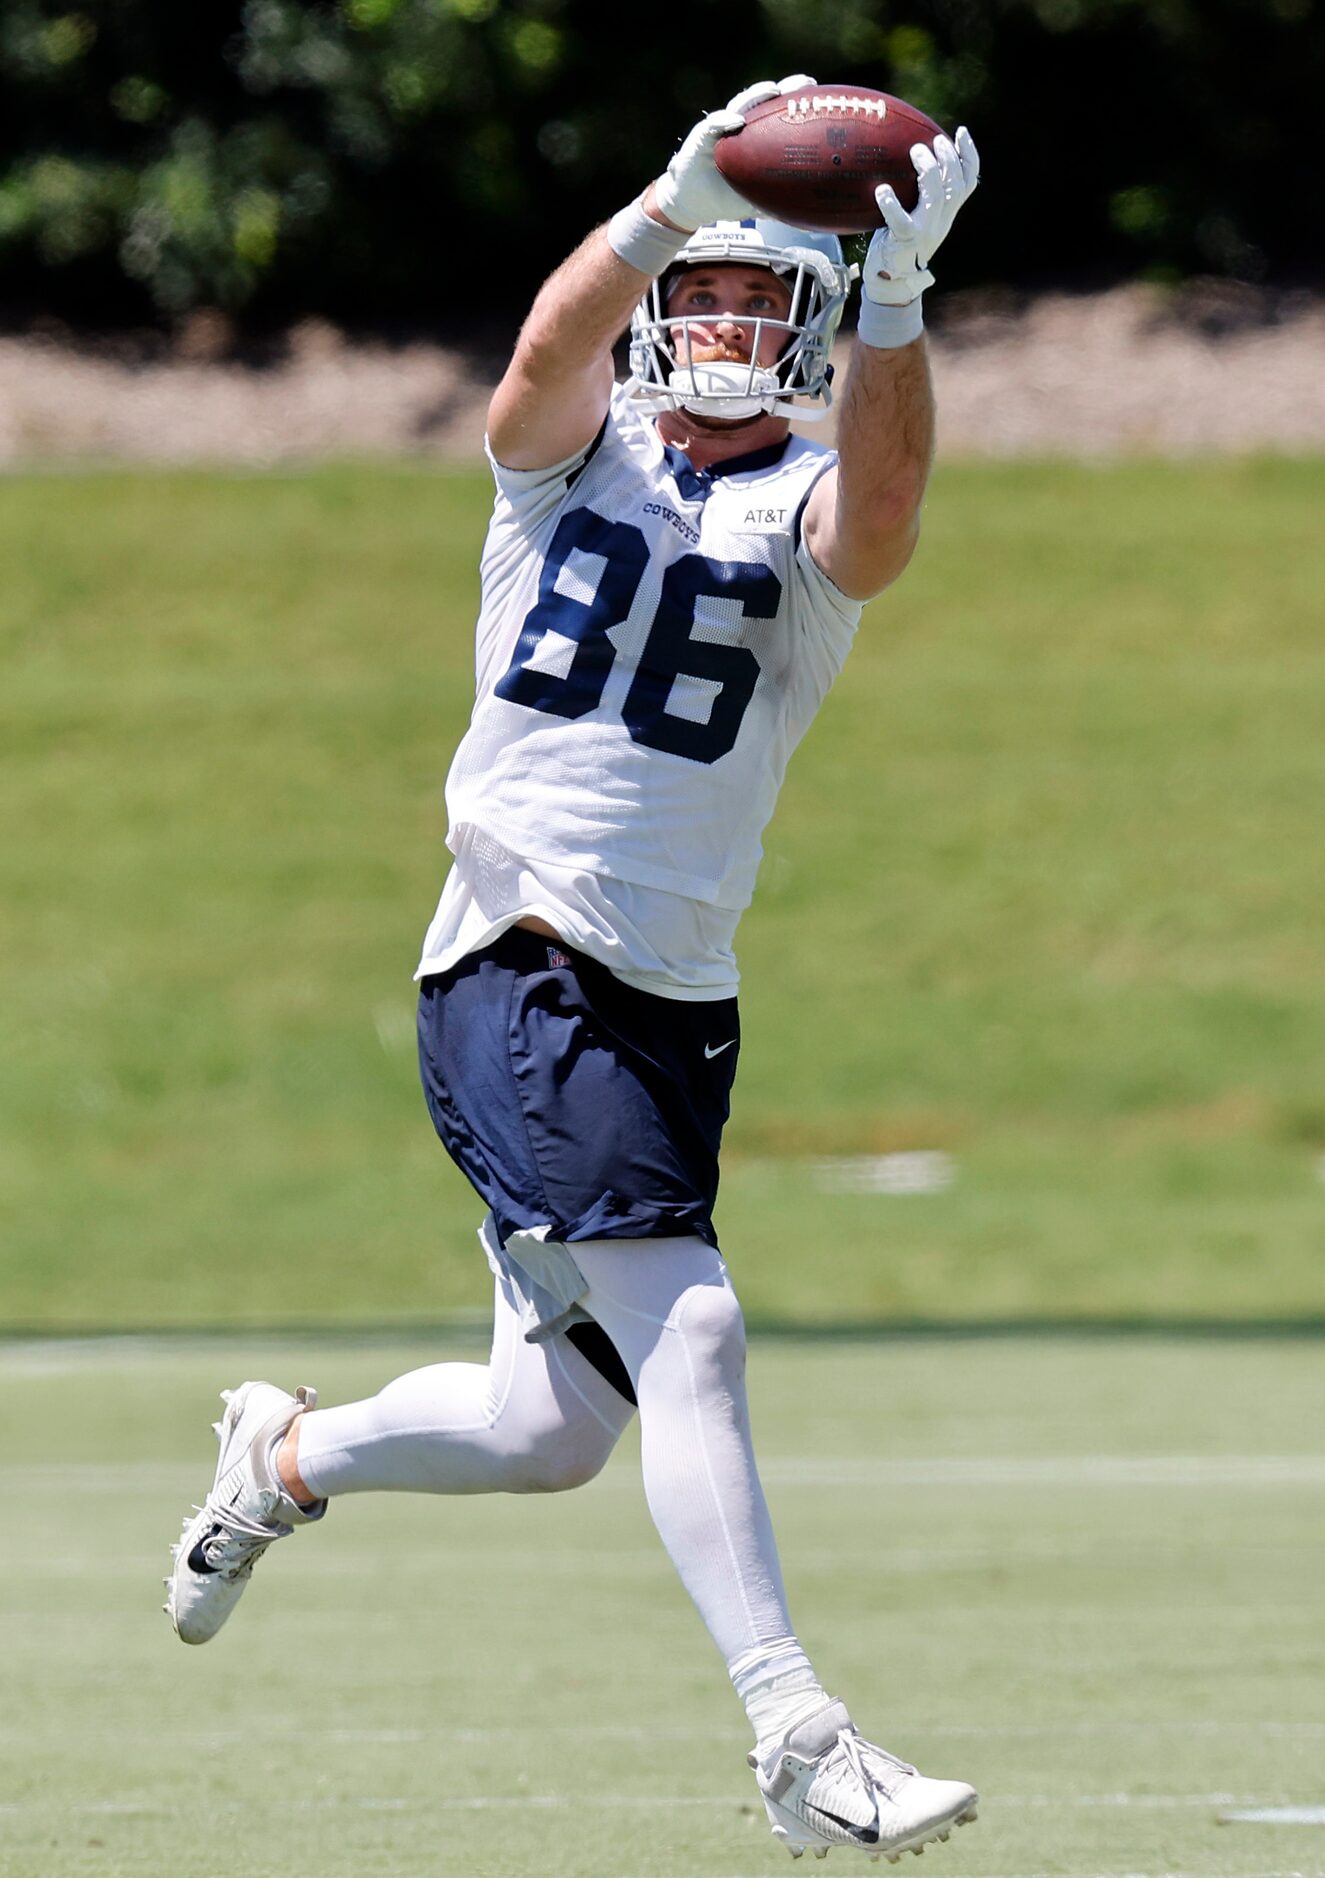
(669, 651)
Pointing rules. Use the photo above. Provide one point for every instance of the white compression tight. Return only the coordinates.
(537, 1418)
(540, 1417)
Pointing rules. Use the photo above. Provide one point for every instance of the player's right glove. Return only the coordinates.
(692, 191)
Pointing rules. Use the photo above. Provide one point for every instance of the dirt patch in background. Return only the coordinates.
(1215, 367)
(1211, 367)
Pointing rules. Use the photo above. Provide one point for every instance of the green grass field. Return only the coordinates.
(1044, 892)
(1082, 1573)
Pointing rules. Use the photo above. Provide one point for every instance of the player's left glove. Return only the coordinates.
(896, 271)
(692, 191)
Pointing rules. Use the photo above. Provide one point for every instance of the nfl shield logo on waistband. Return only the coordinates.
(556, 958)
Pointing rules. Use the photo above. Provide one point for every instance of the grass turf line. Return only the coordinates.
(1041, 891)
(502, 1688)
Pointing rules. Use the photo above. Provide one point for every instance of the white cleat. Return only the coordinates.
(246, 1511)
(824, 1785)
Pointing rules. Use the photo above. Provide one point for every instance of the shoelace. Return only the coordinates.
(239, 1542)
(887, 1766)
(873, 1781)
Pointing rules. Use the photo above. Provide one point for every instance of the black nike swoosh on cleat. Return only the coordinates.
(867, 1835)
(197, 1559)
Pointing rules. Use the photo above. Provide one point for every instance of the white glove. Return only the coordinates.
(896, 269)
(692, 191)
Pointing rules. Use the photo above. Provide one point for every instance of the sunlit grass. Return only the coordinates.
(1082, 1574)
(1044, 891)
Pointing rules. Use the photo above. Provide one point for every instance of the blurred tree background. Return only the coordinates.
(386, 160)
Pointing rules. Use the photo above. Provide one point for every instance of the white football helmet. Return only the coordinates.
(666, 377)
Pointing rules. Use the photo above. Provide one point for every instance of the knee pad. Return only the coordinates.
(555, 1465)
(709, 1320)
(558, 1471)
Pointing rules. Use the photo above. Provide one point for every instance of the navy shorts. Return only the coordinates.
(573, 1100)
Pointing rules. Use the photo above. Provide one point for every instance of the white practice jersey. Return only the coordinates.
(652, 644)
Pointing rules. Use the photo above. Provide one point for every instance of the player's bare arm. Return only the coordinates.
(862, 520)
(555, 393)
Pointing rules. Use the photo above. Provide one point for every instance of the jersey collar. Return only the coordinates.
(696, 485)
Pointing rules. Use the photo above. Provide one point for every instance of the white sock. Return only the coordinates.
(779, 1689)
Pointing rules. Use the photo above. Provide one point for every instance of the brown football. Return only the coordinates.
(814, 157)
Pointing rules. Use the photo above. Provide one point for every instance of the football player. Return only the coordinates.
(670, 584)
